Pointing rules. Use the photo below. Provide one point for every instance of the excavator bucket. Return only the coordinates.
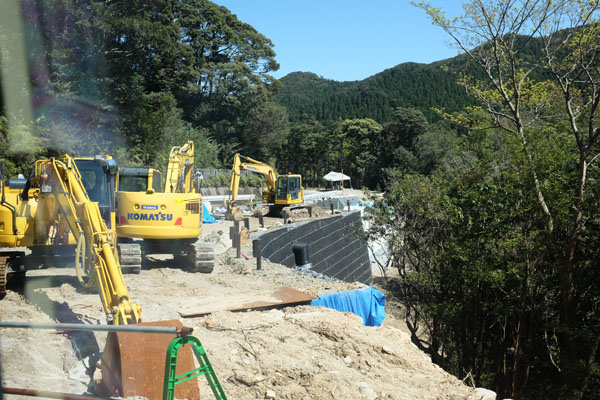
(133, 364)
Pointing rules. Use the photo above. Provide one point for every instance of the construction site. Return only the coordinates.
(251, 306)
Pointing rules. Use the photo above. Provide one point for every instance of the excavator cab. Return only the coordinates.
(289, 189)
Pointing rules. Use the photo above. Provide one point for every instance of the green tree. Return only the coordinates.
(265, 131)
(306, 151)
(358, 137)
(395, 146)
(231, 63)
(495, 35)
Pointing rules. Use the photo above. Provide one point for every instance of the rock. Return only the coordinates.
(348, 360)
(79, 373)
(366, 391)
(270, 394)
(387, 350)
(485, 394)
(261, 211)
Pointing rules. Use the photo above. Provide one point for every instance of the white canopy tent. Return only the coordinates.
(333, 176)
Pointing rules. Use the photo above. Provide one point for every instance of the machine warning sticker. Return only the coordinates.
(149, 207)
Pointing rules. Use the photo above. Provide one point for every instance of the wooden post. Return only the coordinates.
(261, 220)
(247, 223)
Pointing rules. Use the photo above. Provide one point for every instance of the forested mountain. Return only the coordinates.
(409, 85)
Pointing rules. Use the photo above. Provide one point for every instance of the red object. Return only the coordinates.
(122, 220)
(178, 222)
(245, 256)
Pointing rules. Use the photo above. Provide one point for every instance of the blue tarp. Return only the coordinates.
(206, 217)
(367, 303)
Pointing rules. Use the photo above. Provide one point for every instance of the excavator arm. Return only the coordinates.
(179, 169)
(62, 194)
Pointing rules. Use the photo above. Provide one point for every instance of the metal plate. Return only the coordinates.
(281, 297)
(133, 364)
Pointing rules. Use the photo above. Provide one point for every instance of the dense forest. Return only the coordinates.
(488, 162)
(421, 86)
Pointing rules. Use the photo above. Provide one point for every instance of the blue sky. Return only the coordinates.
(346, 40)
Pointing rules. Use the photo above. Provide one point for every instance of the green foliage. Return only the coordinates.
(219, 180)
(123, 77)
(473, 262)
(310, 150)
(494, 241)
(409, 85)
(358, 138)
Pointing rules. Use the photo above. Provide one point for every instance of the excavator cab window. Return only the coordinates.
(288, 185)
(294, 187)
(282, 187)
(94, 180)
(132, 183)
(139, 180)
(99, 185)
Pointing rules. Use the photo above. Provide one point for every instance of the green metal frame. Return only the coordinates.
(171, 379)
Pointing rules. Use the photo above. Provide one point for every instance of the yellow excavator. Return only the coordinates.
(52, 209)
(283, 192)
(169, 218)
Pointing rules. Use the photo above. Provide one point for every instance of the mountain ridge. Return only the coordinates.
(308, 96)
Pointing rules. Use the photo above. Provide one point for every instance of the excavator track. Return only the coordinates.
(3, 262)
(205, 258)
(196, 257)
(130, 257)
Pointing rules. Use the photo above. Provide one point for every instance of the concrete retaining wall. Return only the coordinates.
(336, 247)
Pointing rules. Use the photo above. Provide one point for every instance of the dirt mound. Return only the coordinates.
(317, 353)
(294, 353)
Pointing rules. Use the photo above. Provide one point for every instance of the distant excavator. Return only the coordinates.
(282, 194)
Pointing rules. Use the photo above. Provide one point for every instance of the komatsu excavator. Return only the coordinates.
(52, 208)
(282, 191)
(169, 218)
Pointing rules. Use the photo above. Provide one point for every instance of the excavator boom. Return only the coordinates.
(179, 169)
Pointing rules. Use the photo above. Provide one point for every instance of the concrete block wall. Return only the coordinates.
(336, 247)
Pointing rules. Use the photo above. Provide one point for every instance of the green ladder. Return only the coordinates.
(171, 379)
